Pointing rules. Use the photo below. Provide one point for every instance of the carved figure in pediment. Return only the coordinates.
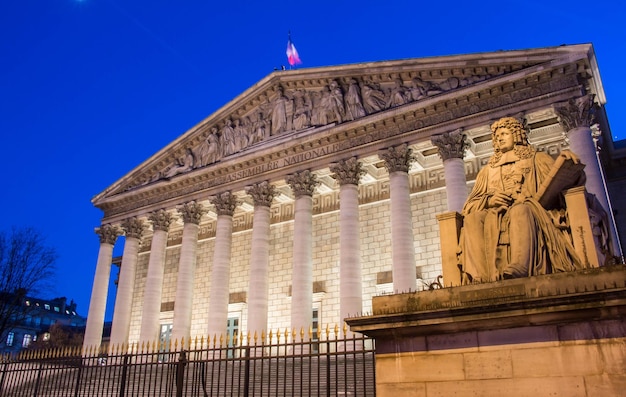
(319, 114)
(373, 98)
(507, 232)
(398, 95)
(214, 153)
(182, 165)
(354, 106)
(227, 136)
(335, 107)
(241, 135)
(258, 129)
(301, 111)
(279, 112)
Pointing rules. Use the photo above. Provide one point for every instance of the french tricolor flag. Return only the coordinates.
(292, 53)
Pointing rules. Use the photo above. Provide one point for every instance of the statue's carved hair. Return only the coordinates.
(520, 137)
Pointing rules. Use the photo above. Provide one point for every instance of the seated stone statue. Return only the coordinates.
(506, 232)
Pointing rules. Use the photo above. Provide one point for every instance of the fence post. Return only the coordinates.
(124, 374)
(78, 376)
(246, 386)
(180, 373)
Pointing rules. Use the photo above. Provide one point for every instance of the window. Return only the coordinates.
(315, 324)
(10, 338)
(46, 306)
(232, 330)
(28, 338)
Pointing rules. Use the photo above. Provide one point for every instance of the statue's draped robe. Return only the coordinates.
(485, 249)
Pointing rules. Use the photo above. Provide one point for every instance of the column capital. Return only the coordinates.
(303, 183)
(225, 203)
(161, 220)
(108, 233)
(133, 227)
(576, 112)
(347, 172)
(450, 144)
(192, 212)
(398, 158)
(262, 193)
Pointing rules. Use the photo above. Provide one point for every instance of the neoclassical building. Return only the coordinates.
(317, 189)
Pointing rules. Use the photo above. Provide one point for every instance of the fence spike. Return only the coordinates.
(336, 331)
(248, 338)
(327, 332)
(256, 337)
(345, 329)
(301, 334)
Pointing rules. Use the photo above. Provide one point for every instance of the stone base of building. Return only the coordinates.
(553, 335)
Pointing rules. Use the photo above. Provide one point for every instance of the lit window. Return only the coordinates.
(46, 336)
(28, 338)
(27, 303)
(46, 306)
(10, 338)
(56, 309)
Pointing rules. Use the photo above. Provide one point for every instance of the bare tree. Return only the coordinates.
(26, 267)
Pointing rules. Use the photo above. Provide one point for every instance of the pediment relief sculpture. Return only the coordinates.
(288, 110)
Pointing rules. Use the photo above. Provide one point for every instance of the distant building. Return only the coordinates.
(319, 188)
(35, 318)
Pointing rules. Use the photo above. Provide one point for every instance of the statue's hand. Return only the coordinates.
(499, 199)
(570, 156)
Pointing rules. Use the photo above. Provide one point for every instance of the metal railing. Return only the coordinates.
(272, 365)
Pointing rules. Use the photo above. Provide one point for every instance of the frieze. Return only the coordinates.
(337, 143)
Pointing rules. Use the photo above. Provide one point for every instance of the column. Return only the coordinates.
(347, 173)
(451, 147)
(149, 331)
(576, 117)
(225, 205)
(133, 230)
(262, 193)
(191, 213)
(97, 305)
(397, 161)
(303, 185)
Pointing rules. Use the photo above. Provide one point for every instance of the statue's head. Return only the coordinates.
(515, 126)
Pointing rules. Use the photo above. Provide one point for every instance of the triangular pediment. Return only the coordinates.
(290, 107)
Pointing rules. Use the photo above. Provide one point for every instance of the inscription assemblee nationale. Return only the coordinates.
(304, 156)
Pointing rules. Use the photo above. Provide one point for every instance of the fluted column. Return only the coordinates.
(191, 213)
(97, 305)
(225, 205)
(576, 117)
(451, 147)
(262, 193)
(397, 161)
(347, 173)
(149, 331)
(303, 185)
(133, 230)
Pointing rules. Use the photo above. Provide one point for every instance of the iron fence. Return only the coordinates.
(276, 365)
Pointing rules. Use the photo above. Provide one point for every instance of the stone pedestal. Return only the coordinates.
(559, 335)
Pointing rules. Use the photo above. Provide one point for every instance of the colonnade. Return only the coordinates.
(303, 184)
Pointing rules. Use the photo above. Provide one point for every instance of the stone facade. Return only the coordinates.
(304, 121)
